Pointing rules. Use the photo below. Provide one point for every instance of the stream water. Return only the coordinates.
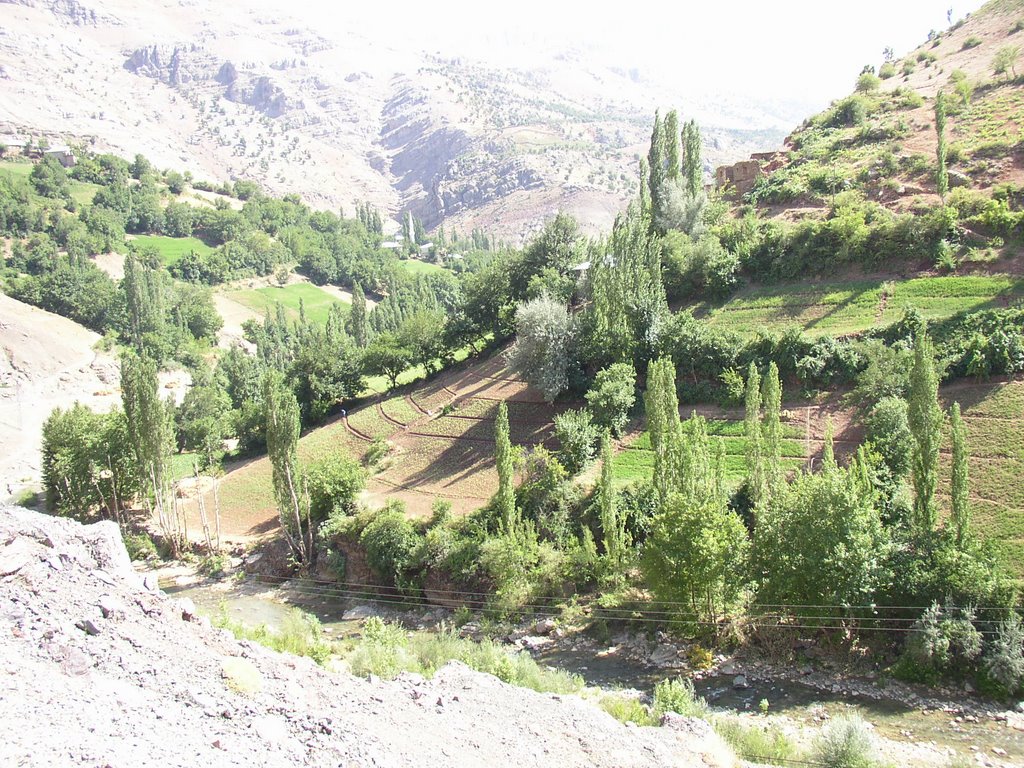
(253, 603)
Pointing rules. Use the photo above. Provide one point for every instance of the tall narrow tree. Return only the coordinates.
(693, 162)
(656, 165)
(925, 418)
(358, 324)
(752, 433)
(282, 424)
(942, 172)
(663, 425)
(505, 460)
(772, 430)
(828, 452)
(612, 523)
(959, 491)
(673, 161)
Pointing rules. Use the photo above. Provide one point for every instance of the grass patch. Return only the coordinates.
(82, 192)
(756, 740)
(172, 249)
(385, 651)
(315, 301)
(300, 634)
(626, 709)
(416, 267)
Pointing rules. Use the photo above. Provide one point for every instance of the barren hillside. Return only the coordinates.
(341, 114)
(98, 670)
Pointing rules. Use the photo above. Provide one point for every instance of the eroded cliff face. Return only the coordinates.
(98, 667)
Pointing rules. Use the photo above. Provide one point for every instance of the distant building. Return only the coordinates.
(740, 176)
(392, 244)
(62, 154)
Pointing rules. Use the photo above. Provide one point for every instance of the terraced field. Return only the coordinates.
(853, 306)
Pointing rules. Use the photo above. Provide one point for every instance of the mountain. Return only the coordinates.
(337, 112)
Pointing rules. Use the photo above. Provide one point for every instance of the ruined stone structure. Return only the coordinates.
(740, 176)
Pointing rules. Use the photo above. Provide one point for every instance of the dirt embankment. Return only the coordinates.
(96, 669)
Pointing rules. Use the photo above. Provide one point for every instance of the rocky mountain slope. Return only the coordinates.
(98, 670)
(344, 113)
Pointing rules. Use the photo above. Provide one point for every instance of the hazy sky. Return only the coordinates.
(801, 50)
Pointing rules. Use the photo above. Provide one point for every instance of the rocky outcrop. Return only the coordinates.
(261, 94)
(98, 669)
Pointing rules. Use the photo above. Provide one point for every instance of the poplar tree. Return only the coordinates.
(961, 512)
(925, 419)
(656, 166)
(670, 129)
(693, 163)
(828, 453)
(663, 425)
(645, 189)
(942, 173)
(281, 411)
(505, 460)
(358, 324)
(772, 429)
(612, 523)
(752, 433)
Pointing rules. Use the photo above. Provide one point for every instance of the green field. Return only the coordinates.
(81, 192)
(414, 267)
(316, 302)
(171, 249)
(854, 306)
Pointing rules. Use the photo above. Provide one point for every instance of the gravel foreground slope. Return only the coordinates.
(96, 669)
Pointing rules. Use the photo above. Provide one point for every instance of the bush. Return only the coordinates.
(1005, 662)
(971, 42)
(868, 82)
(908, 68)
(845, 743)
(391, 542)
(680, 697)
(756, 741)
(626, 709)
(333, 482)
(887, 70)
(140, 546)
(300, 634)
(578, 437)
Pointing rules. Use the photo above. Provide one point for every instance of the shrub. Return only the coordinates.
(1005, 662)
(908, 68)
(756, 741)
(333, 482)
(887, 70)
(627, 710)
(680, 697)
(868, 82)
(378, 449)
(140, 546)
(971, 42)
(391, 541)
(845, 743)
(578, 437)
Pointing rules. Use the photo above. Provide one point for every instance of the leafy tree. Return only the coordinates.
(662, 406)
(612, 396)
(925, 419)
(942, 173)
(87, 463)
(544, 342)
(960, 500)
(656, 167)
(613, 523)
(386, 356)
(357, 319)
(281, 411)
(888, 431)
(49, 179)
(756, 477)
(693, 164)
(391, 542)
(334, 481)
(771, 430)
(578, 438)
(202, 418)
(695, 557)
(819, 544)
(504, 457)
(673, 160)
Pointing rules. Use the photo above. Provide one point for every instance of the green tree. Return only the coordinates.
(612, 396)
(821, 543)
(756, 477)
(149, 433)
(925, 419)
(662, 407)
(693, 163)
(772, 430)
(386, 356)
(942, 172)
(1005, 60)
(695, 557)
(673, 160)
(544, 345)
(577, 436)
(613, 523)
(334, 481)
(281, 411)
(959, 493)
(656, 166)
(358, 325)
(202, 419)
(504, 457)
